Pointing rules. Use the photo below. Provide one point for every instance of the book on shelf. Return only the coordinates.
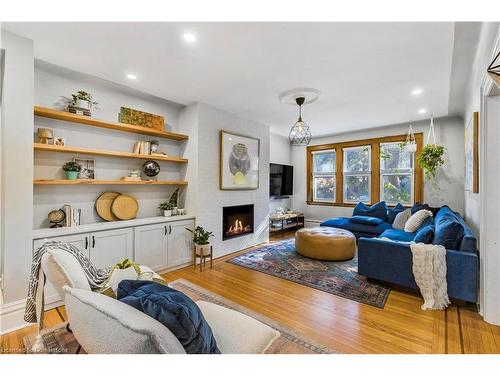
(73, 215)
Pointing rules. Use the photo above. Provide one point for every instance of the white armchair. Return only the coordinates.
(104, 325)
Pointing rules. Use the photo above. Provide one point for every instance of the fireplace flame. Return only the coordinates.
(238, 228)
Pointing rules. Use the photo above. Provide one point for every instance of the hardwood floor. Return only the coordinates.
(344, 325)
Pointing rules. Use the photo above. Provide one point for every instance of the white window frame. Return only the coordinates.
(359, 174)
(324, 174)
(397, 172)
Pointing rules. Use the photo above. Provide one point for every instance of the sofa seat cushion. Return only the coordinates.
(368, 220)
(174, 310)
(377, 210)
(398, 235)
(345, 223)
(235, 332)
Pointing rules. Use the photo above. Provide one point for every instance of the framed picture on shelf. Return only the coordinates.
(239, 162)
(472, 154)
(87, 171)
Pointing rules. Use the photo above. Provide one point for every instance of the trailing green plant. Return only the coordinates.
(71, 166)
(83, 95)
(166, 206)
(200, 235)
(430, 159)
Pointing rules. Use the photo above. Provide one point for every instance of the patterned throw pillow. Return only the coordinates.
(401, 219)
(416, 220)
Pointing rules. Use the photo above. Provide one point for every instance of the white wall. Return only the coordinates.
(52, 83)
(450, 179)
(17, 166)
(280, 152)
(205, 122)
(472, 104)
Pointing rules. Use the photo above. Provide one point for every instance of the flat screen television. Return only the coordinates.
(280, 180)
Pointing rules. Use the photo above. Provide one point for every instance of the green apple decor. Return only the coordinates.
(71, 168)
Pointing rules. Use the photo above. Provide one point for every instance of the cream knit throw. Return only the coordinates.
(429, 269)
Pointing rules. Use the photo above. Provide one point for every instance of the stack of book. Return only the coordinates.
(142, 147)
(78, 110)
(73, 216)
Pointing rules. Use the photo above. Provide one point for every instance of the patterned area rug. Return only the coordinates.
(57, 340)
(340, 278)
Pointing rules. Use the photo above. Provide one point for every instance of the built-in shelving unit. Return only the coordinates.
(87, 120)
(118, 154)
(106, 182)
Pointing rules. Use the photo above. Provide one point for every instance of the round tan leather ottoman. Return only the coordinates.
(325, 243)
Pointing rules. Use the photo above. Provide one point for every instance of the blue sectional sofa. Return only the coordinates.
(384, 252)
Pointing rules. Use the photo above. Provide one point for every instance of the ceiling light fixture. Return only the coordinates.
(190, 37)
(300, 134)
(133, 77)
(417, 91)
(422, 111)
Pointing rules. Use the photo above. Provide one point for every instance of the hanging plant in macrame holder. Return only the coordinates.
(431, 157)
(410, 144)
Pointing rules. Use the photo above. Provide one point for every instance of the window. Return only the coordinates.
(396, 174)
(369, 170)
(357, 173)
(324, 166)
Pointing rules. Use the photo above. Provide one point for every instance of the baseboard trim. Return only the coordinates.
(12, 316)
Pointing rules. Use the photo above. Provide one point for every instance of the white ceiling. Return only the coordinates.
(365, 71)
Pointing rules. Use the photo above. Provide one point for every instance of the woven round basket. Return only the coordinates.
(103, 205)
(125, 207)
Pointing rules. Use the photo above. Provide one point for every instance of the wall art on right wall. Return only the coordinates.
(472, 154)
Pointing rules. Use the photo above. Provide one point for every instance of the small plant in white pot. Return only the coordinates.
(83, 100)
(201, 240)
(166, 207)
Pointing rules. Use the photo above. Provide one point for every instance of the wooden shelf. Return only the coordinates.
(105, 182)
(87, 120)
(118, 154)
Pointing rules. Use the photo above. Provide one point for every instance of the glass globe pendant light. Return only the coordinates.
(300, 134)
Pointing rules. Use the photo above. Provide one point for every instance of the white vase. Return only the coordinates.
(84, 104)
(411, 147)
(167, 212)
(202, 249)
(118, 275)
(175, 211)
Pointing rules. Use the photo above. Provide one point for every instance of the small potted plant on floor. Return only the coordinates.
(166, 207)
(200, 239)
(71, 168)
(83, 100)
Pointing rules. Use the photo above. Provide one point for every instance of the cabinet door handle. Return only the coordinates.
(170, 229)
(165, 230)
(93, 241)
(86, 243)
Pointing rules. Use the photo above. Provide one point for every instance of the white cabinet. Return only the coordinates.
(180, 243)
(150, 246)
(109, 247)
(80, 241)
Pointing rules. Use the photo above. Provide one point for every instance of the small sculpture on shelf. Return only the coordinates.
(45, 135)
(56, 217)
(151, 169)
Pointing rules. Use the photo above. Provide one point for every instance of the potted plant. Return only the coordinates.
(71, 168)
(430, 159)
(167, 208)
(200, 239)
(82, 99)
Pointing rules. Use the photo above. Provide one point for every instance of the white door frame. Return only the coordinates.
(489, 182)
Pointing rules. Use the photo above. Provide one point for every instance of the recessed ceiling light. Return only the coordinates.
(131, 76)
(190, 37)
(422, 111)
(417, 91)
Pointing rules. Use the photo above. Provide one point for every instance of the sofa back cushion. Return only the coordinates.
(419, 206)
(368, 220)
(392, 212)
(425, 234)
(103, 325)
(377, 210)
(174, 310)
(449, 230)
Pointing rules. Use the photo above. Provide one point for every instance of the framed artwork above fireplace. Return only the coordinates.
(239, 162)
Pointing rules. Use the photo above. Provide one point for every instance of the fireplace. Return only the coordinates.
(237, 221)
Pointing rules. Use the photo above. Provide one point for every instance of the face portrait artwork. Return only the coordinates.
(239, 162)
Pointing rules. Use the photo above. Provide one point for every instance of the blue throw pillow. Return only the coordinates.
(419, 206)
(368, 220)
(425, 234)
(174, 310)
(392, 212)
(449, 232)
(377, 210)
